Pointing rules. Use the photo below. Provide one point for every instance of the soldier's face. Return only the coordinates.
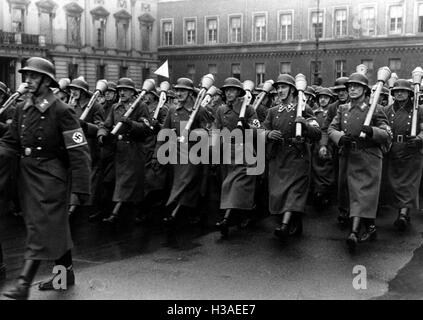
(126, 94)
(109, 95)
(401, 95)
(62, 96)
(35, 81)
(342, 95)
(355, 90)
(231, 94)
(182, 95)
(76, 93)
(324, 100)
(283, 91)
(149, 98)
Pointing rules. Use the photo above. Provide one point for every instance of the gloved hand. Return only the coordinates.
(324, 153)
(275, 135)
(368, 130)
(82, 198)
(345, 141)
(244, 123)
(155, 164)
(156, 126)
(414, 142)
(127, 123)
(100, 140)
(83, 124)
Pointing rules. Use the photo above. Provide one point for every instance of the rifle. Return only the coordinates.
(23, 88)
(383, 74)
(146, 87)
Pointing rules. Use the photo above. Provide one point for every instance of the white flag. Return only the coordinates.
(163, 70)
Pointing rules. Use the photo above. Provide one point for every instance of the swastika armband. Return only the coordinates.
(74, 138)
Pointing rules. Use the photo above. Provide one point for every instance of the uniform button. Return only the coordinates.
(346, 114)
(40, 138)
(42, 117)
(39, 148)
(345, 121)
(408, 122)
(23, 126)
(392, 115)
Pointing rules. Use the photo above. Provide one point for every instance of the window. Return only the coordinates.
(190, 32)
(123, 72)
(18, 16)
(285, 26)
(369, 64)
(395, 20)
(213, 69)
(236, 71)
(100, 28)
(316, 22)
(368, 25)
(46, 26)
(235, 29)
(340, 66)
(340, 23)
(167, 33)
(122, 34)
(260, 28)
(191, 71)
(74, 30)
(315, 74)
(72, 71)
(101, 71)
(395, 65)
(285, 67)
(260, 72)
(420, 17)
(212, 31)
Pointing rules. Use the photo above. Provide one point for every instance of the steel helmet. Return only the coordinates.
(126, 83)
(232, 82)
(41, 66)
(325, 92)
(285, 78)
(340, 83)
(81, 84)
(358, 78)
(310, 90)
(402, 84)
(184, 83)
(111, 86)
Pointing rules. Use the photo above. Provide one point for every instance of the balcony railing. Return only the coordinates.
(13, 38)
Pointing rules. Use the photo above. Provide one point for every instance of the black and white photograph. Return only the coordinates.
(211, 154)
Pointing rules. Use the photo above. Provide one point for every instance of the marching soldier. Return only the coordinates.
(340, 90)
(323, 174)
(238, 188)
(80, 98)
(360, 159)
(129, 154)
(47, 136)
(106, 181)
(289, 157)
(155, 176)
(404, 161)
(310, 94)
(187, 178)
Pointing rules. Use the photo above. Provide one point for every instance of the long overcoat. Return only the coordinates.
(46, 138)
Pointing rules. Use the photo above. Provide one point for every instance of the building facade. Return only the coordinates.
(257, 40)
(97, 39)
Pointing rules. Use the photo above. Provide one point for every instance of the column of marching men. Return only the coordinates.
(65, 146)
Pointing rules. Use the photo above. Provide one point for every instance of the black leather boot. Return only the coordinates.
(352, 241)
(343, 217)
(370, 233)
(223, 225)
(403, 219)
(21, 290)
(49, 284)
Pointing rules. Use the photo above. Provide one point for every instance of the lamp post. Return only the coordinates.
(317, 35)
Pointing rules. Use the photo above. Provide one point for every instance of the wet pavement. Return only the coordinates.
(129, 262)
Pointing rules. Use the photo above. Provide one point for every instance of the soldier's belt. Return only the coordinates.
(38, 152)
(400, 139)
(361, 144)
